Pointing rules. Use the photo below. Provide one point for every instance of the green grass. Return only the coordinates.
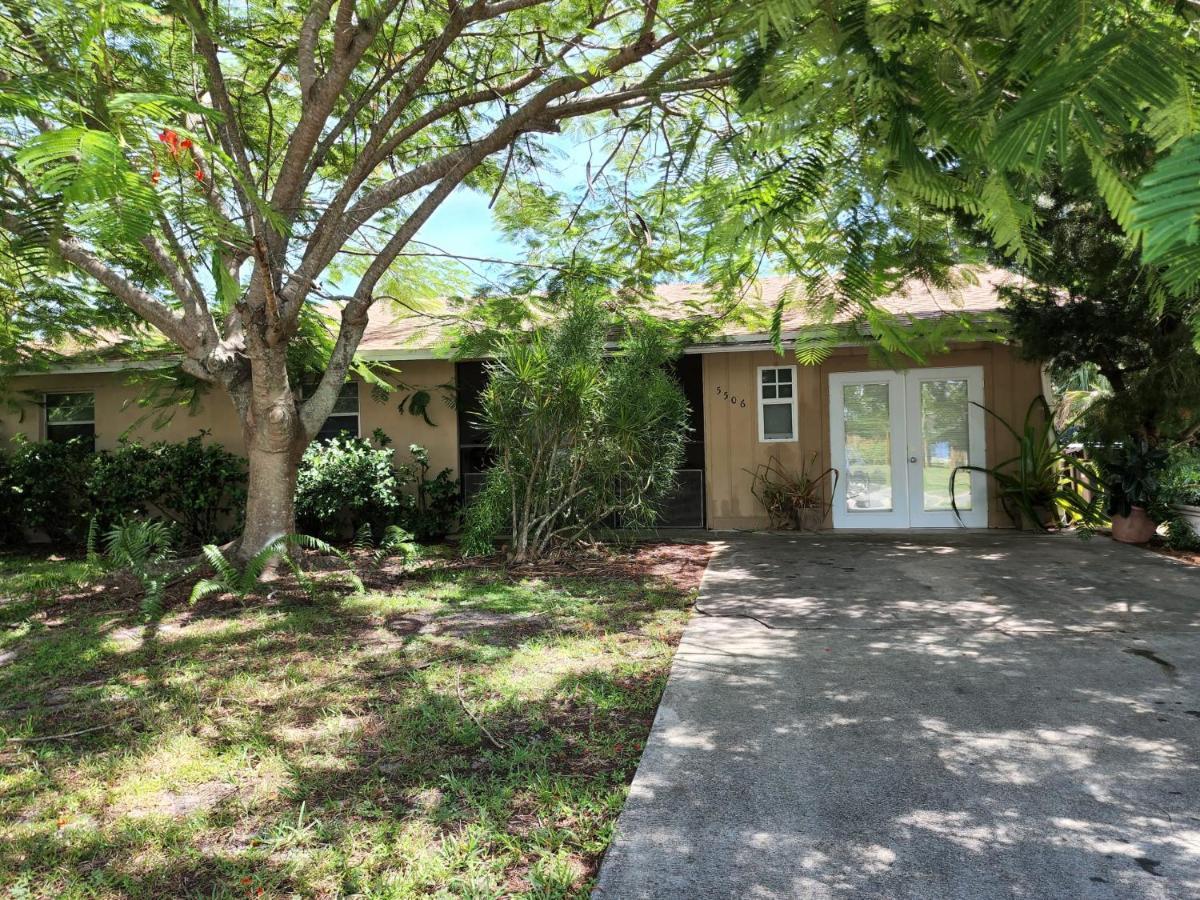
(463, 734)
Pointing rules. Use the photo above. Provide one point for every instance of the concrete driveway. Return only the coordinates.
(925, 715)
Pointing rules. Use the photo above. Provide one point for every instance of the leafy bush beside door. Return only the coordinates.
(1042, 484)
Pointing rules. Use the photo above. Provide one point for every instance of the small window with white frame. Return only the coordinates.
(777, 403)
(344, 418)
(70, 416)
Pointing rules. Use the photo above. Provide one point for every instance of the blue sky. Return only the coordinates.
(463, 224)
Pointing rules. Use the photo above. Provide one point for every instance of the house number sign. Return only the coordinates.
(733, 400)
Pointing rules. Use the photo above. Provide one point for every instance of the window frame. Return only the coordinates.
(357, 414)
(47, 424)
(763, 402)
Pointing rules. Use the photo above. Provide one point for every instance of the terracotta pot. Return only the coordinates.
(809, 519)
(1048, 517)
(1135, 528)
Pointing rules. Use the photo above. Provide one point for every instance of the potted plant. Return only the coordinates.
(1132, 472)
(1043, 483)
(794, 500)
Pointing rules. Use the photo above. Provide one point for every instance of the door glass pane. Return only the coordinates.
(868, 472)
(946, 443)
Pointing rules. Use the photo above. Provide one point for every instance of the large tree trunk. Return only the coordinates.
(270, 497)
(275, 440)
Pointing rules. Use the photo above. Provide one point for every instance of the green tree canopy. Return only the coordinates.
(230, 175)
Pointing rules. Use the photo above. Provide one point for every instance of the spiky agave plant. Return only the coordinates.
(229, 579)
(1042, 480)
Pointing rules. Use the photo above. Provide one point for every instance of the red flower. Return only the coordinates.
(171, 139)
(186, 144)
(199, 175)
(154, 176)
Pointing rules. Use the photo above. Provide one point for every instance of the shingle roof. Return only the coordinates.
(409, 333)
(396, 333)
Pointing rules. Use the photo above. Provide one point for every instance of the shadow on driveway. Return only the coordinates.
(926, 715)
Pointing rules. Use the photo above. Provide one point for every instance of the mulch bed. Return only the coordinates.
(680, 564)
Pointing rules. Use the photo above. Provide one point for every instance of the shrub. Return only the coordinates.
(201, 487)
(122, 483)
(487, 516)
(1179, 484)
(1180, 481)
(583, 438)
(46, 488)
(437, 502)
(346, 483)
(396, 542)
(146, 550)
(229, 579)
(1043, 484)
(61, 488)
(1132, 472)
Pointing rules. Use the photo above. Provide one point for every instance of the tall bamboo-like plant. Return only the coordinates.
(1042, 483)
(585, 433)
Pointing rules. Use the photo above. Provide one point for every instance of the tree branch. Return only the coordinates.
(141, 302)
(228, 129)
(196, 315)
(451, 168)
(306, 47)
(316, 409)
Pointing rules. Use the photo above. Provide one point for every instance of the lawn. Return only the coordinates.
(457, 731)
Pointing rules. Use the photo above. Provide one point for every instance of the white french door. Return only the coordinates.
(896, 439)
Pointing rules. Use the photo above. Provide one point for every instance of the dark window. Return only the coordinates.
(71, 416)
(470, 380)
(474, 454)
(344, 418)
(690, 373)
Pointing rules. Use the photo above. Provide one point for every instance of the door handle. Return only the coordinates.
(912, 459)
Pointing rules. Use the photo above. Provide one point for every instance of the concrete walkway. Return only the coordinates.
(929, 715)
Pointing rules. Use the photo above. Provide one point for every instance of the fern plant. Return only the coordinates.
(241, 582)
(146, 549)
(396, 542)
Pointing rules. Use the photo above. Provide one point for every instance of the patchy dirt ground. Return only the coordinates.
(461, 729)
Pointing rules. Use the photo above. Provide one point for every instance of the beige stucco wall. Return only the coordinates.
(441, 440)
(117, 412)
(731, 431)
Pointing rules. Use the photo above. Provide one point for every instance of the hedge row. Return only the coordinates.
(344, 484)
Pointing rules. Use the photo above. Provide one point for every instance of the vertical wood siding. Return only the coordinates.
(733, 447)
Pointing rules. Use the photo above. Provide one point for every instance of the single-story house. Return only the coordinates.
(894, 436)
